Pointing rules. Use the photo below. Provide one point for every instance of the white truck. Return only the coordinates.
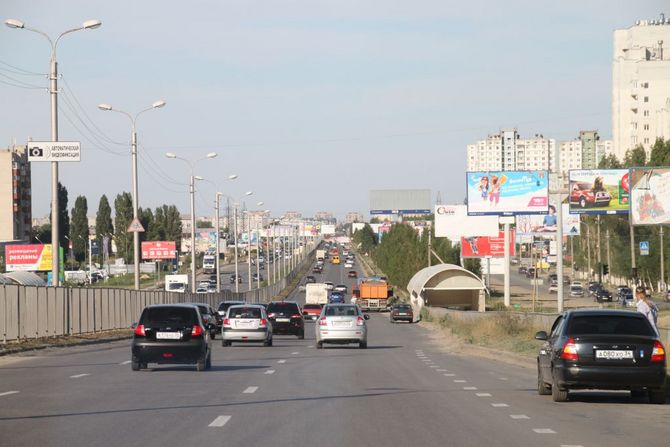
(320, 254)
(176, 283)
(209, 264)
(316, 293)
(76, 276)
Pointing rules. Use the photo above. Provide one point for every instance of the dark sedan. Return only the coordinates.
(601, 295)
(601, 349)
(286, 318)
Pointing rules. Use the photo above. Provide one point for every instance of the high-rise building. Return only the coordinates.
(292, 215)
(641, 85)
(15, 194)
(324, 216)
(353, 216)
(588, 139)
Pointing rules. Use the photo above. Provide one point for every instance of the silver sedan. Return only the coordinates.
(246, 323)
(342, 324)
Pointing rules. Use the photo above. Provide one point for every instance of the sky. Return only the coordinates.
(311, 103)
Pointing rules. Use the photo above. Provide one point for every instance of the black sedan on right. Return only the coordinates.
(601, 349)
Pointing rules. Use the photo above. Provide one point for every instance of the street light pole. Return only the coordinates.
(133, 146)
(237, 269)
(218, 249)
(53, 93)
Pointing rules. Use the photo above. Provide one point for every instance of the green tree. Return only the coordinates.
(365, 239)
(660, 153)
(63, 217)
(167, 221)
(609, 162)
(123, 210)
(103, 223)
(146, 217)
(42, 234)
(204, 224)
(79, 228)
(636, 157)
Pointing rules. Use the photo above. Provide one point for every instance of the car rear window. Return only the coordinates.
(403, 307)
(341, 311)
(312, 306)
(244, 312)
(178, 316)
(608, 324)
(283, 307)
(226, 305)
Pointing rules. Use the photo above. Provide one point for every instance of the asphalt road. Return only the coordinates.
(402, 391)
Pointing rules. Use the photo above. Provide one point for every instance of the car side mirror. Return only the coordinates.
(542, 335)
(366, 316)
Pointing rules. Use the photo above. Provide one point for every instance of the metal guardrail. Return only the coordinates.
(33, 312)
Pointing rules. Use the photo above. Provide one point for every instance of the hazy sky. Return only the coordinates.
(312, 103)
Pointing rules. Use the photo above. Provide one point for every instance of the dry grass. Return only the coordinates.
(63, 340)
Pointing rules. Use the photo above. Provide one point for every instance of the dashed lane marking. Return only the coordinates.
(281, 361)
(125, 363)
(503, 378)
(544, 431)
(250, 390)
(270, 371)
(518, 416)
(470, 388)
(219, 421)
(460, 381)
(571, 445)
(449, 375)
(483, 394)
(433, 366)
(295, 353)
(499, 405)
(7, 393)
(442, 370)
(77, 376)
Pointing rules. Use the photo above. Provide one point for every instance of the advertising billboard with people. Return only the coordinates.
(650, 196)
(599, 191)
(547, 225)
(486, 246)
(507, 193)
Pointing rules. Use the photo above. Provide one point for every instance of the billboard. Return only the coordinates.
(650, 196)
(400, 201)
(486, 246)
(159, 250)
(205, 240)
(539, 225)
(327, 229)
(453, 222)
(507, 193)
(599, 191)
(28, 258)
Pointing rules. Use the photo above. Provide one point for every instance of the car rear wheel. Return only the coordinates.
(201, 365)
(319, 345)
(135, 366)
(301, 335)
(657, 397)
(363, 345)
(542, 388)
(558, 395)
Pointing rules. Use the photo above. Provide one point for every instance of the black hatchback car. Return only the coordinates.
(601, 349)
(286, 318)
(171, 333)
(601, 295)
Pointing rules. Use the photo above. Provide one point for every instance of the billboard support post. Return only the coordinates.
(600, 260)
(632, 251)
(507, 266)
(588, 250)
(660, 235)
(559, 254)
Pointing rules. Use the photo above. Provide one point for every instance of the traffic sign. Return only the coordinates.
(135, 226)
(54, 151)
(644, 248)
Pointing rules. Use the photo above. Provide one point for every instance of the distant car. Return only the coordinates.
(209, 315)
(522, 270)
(553, 287)
(234, 277)
(342, 324)
(224, 305)
(401, 312)
(593, 287)
(257, 277)
(317, 270)
(602, 295)
(171, 333)
(627, 299)
(286, 318)
(340, 288)
(582, 194)
(530, 272)
(201, 290)
(601, 349)
(329, 285)
(310, 312)
(348, 265)
(246, 323)
(352, 274)
(336, 297)
(576, 291)
(623, 290)
(310, 279)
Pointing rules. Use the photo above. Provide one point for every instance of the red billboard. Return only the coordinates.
(159, 250)
(486, 246)
(30, 258)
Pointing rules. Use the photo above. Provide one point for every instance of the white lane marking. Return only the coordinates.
(500, 405)
(270, 371)
(433, 366)
(7, 393)
(281, 361)
(483, 394)
(125, 363)
(310, 346)
(450, 375)
(544, 431)
(250, 390)
(219, 421)
(460, 381)
(571, 445)
(77, 376)
(518, 416)
(442, 370)
(295, 353)
(470, 388)
(503, 378)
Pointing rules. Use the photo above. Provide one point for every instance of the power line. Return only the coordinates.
(83, 135)
(19, 70)
(20, 83)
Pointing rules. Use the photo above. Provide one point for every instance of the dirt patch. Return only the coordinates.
(63, 341)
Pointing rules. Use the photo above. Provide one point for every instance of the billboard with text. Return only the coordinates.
(650, 196)
(28, 258)
(507, 193)
(453, 222)
(159, 250)
(546, 225)
(486, 246)
(599, 191)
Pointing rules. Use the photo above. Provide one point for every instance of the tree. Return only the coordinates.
(79, 228)
(203, 224)
(365, 239)
(42, 234)
(146, 217)
(123, 210)
(609, 162)
(167, 223)
(63, 219)
(660, 153)
(636, 157)
(103, 220)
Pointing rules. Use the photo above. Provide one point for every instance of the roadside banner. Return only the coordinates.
(538, 225)
(159, 250)
(650, 196)
(599, 191)
(28, 258)
(507, 193)
(486, 246)
(453, 222)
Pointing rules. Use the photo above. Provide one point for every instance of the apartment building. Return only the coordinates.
(15, 194)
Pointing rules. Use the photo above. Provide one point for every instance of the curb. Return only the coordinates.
(4, 352)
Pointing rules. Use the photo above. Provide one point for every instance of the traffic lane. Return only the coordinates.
(586, 420)
(337, 274)
(155, 406)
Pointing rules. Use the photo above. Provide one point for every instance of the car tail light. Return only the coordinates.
(263, 322)
(360, 321)
(226, 321)
(296, 316)
(139, 331)
(196, 331)
(570, 350)
(323, 321)
(658, 353)
(271, 315)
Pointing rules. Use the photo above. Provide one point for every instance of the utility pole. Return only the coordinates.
(237, 269)
(609, 257)
(218, 245)
(633, 266)
(192, 191)
(429, 248)
(599, 253)
(588, 249)
(660, 234)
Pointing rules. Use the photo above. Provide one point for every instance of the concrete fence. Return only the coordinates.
(33, 312)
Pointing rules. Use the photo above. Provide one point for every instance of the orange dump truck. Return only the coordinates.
(372, 293)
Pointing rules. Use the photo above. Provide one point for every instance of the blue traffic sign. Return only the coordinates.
(644, 248)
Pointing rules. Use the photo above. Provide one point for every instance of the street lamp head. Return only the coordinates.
(91, 24)
(170, 155)
(197, 177)
(105, 107)
(248, 193)
(211, 155)
(158, 104)
(14, 23)
(232, 177)
(260, 203)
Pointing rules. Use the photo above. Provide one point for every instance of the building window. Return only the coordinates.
(646, 99)
(646, 141)
(646, 127)
(646, 113)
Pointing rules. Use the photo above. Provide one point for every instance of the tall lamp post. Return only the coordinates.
(53, 92)
(249, 244)
(237, 269)
(217, 206)
(192, 180)
(133, 145)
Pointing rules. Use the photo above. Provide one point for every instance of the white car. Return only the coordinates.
(329, 285)
(348, 265)
(342, 324)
